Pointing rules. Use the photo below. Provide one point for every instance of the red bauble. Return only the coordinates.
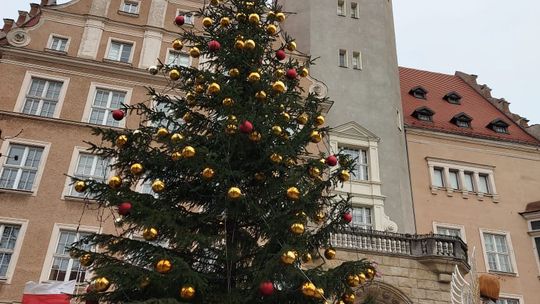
(246, 127)
(291, 73)
(331, 160)
(280, 54)
(347, 217)
(214, 46)
(118, 114)
(179, 20)
(266, 288)
(124, 208)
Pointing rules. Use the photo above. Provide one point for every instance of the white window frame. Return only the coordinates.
(364, 226)
(25, 86)
(511, 252)
(53, 242)
(345, 59)
(124, 2)
(51, 39)
(4, 149)
(341, 8)
(357, 56)
(171, 50)
(94, 86)
(359, 165)
(354, 10)
(461, 229)
(512, 297)
(23, 223)
(189, 19)
(123, 41)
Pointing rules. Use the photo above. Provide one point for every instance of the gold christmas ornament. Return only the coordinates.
(234, 72)
(158, 186)
(214, 88)
(353, 280)
(163, 266)
(304, 72)
(214, 2)
(199, 88)
(239, 44)
(309, 289)
(279, 73)
(145, 281)
(255, 136)
(86, 260)
(177, 44)
(80, 186)
(115, 182)
(101, 284)
(315, 136)
(306, 258)
(291, 46)
(276, 158)
(297, 228)
(136, 169)
(362, 278)
(228, 102)
(348, 298)
(207, 22)
(188, 152)
(176, 155)
(288, 257)
(231, 129)
(187, 292)
(319, 293)
(177, 137)
(150, 234)
(259, 176)
(280, 17)
(278, 86)
(254, 77)
(271, 29)
(261, 95)
(330, 253)
(370, 273)
(232, 119)
(277, 130)
(190, 98)
(234, 193)
(121, 140)
(254, 18)
(302, 119)
(270, 15)
(162, 132)
(293, 193)
(249, 44)
(319, 120)
(320, 217)
(225, 21)
(314, 172)
(208, 173)
(195, 52)
(344, 175)
(187, 117)
(241, 17)
(286, 116)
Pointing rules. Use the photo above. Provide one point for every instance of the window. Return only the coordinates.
(343, 58)
(454, 179)
(418, 92)
(64, 268)
(500, 129)
(356, 61)
(188, 17)
(535, 225)
(42, 97)
(58, 44)
(104, 102)
(468, 179)
(361, 217)
(21, 167)
(462, 120)
(507, 301)
(361, 163)
(449, 231)
(537, 246)
(424, 117)
(497, 252)
(9, 234)
(499, 126)
(90, 166)
(462, 123)
(438, 174)
(453, 98)
(120, 51)
(354, 10)
(178, 58)
(424, 114)
(483, 183)
(130, 7)
(341, 8)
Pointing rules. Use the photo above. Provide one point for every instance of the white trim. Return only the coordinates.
(169, 50)
(345, 56)
(45, 271)
(355, 10)
(18, 245)
(27, 142)
(360, 65)
(511, 253)
(120, 40)
(343, 4)
(27, 81)
(512, 296)
(461, 228)
(50, 41)
(92, 94)
(121, 9)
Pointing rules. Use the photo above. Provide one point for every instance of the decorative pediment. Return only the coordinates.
(354, 130)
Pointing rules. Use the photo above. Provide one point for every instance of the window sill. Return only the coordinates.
(502, 273)
(465, 193)
(120, 12)
(117, 62)
(342, 15)
(343, 66)
(16, 191)
(64, 53)
(79, 199)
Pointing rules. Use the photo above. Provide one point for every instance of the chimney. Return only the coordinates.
(48, 2)
(8, 24)
(23, 17)
(34, 9)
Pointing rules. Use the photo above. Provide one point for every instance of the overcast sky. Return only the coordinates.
(498, 40)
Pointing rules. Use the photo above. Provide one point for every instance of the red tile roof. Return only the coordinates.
(472, 103)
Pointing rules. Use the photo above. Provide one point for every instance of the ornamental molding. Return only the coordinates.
(18, 38)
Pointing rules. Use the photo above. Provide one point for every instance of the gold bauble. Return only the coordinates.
(362, 278)
(214, 88)
(234, 72)
(278, 86)
(234, 193)
(254, 18)
(304, 72)
(187, 292)
(121, 140)
(297, 228)
(353, 280)
(162, 132)
(136, 169)
(286, 116)
(188, 152)
(100, 284)
(163, 266)
(177, 44)
(86, 260)
(80, 186)
(207, 22)
(261, 95)
(309, 289)
(177, 137)
(277, 130)
(284, 135)
(320, 217)
(319, 120)
(241, 16)
(199, 88)
(291, 46)
(225, 21)
(259, 176)
(306, 258)
(115, 182)
(255, 136)
(315, 136)
(239, 44)
(231, 129)
(270, 15)
(271, 29)
(279, 73)
(276, 158)
(280, 17)
(176, 155)
(254, 77)
(249, 44)
(232, 119)
(144, 282)
(288, 257)
(150, 234)
(187, 117)
(208, 173)
(195, 52)
(190, 98)
(330, 253)
(293, 193)
(214, 2)
(158, 186)
(314, 172)
(228, 102)
(344, 175)
(319, 293)
(370, 273)
(348, 298)
(302, 119)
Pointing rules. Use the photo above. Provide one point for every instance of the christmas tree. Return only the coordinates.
(240, 210)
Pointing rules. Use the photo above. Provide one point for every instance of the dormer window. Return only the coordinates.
(462, 120)
(499, 126)
(424, 114)
(453, 98)
(418, 92)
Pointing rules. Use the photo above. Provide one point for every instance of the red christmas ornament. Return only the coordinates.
(246, 127)
(214, 46)
(118, 114)
(179, 20)
(291, 73)
(331, 160)
(124, 208)
(280, 54)
(266, 288)
(347, 217)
